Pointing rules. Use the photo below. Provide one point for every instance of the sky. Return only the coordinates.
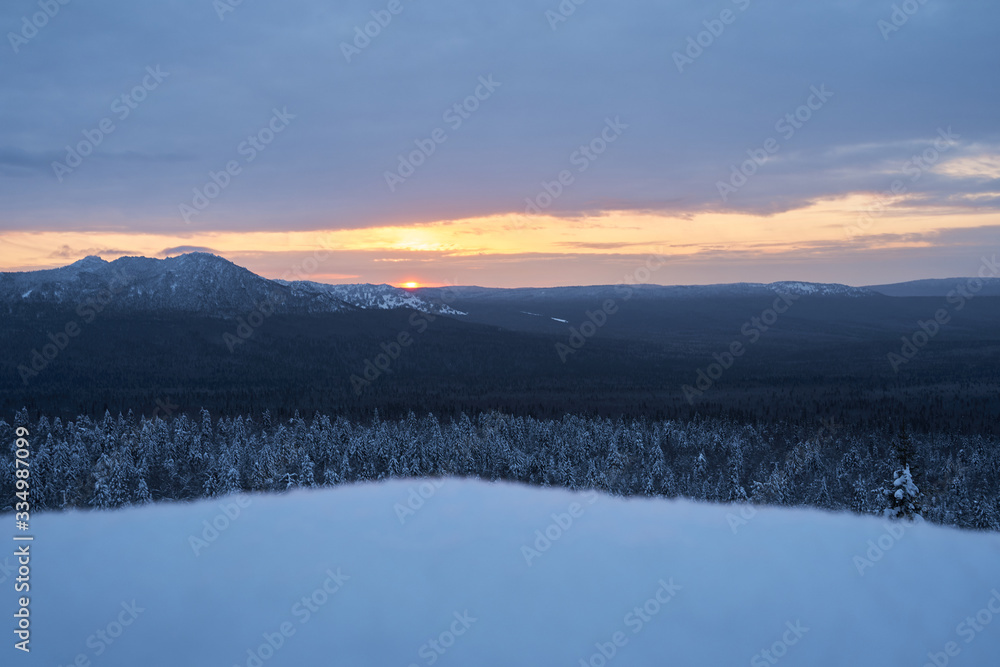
(519, 143)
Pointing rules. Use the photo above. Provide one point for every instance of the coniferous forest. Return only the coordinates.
(125, 460)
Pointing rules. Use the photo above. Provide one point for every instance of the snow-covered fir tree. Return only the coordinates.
(903, 494)
(117, 461)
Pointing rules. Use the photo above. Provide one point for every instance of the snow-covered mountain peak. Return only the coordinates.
(90, 262)
(196, 282)
(373, 297)
(819, 289)
(201, 282)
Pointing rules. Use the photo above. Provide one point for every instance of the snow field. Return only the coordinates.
(474, 573)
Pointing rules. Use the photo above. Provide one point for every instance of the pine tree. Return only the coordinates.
(903, 494)
(331, 477)
(103, 497)
(308, 468)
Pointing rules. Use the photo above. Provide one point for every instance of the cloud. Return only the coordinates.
(354, 120)
(23, 159)
(611, 245)
(182, 249)
(66, 252)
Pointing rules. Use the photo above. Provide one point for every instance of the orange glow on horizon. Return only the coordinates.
(826, 229)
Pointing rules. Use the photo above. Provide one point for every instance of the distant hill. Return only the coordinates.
(938, 287)
(195, 283)
(178, 329)
(206, 284)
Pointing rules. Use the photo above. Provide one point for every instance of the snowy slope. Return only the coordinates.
(207, 284)
(819, 289)
(192, 283)
(352, 576)
(196, 283)
(371, 297)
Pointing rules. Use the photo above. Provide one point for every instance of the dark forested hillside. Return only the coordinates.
(111, 462)
(824, 358)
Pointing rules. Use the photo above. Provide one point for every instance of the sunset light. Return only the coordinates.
(707, 323)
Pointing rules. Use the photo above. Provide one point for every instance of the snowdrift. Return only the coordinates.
(452, 572)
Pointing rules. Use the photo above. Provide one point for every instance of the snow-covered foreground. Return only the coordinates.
(469, 573)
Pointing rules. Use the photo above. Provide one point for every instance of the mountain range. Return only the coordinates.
(205, 284)
(195, 283)
(121, 335)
